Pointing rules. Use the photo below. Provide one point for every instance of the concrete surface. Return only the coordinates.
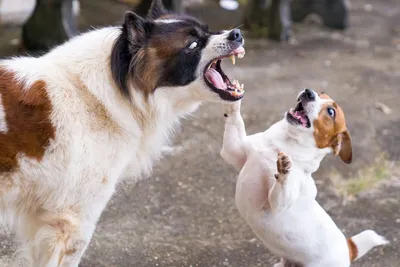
(184, 214)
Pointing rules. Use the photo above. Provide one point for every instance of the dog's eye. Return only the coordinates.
(331, 112)
(193, 45)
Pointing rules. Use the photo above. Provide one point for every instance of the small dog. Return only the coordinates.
(93, 111)
(276, 194)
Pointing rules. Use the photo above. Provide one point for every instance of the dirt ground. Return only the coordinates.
(184, 214)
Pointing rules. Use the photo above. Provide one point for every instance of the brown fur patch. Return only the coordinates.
(353, 250)
(329, 132)
(101, 117)
(27, 115)
(150, 60)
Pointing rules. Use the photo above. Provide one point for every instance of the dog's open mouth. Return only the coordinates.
(298, 116)
(219, 82)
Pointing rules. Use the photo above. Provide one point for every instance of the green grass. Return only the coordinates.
(365, 178)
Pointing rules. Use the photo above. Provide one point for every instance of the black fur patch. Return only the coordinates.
(121, 58)
(154, 54)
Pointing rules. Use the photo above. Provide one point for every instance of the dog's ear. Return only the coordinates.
(156, 10)
(342, 147)
(136, 27)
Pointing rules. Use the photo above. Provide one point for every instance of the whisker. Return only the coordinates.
(236, 27)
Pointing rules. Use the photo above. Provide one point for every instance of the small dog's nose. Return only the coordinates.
(235, 35)
(309, 95)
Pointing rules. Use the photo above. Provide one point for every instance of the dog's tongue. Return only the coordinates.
(215, 78)
(300, 115)
(303, 121)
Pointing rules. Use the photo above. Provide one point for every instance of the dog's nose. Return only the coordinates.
(309, 95)
(235, 35)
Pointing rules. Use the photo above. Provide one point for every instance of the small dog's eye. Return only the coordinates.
(331, 112)
(193, 45)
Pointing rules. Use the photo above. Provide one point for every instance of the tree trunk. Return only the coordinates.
(52, 22)
(173, 5)
(274, 20)
(256, 18)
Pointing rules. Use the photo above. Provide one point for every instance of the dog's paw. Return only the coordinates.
(284, 163)
(233, 108)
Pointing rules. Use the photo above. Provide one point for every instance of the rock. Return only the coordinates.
(368, 7)
(382, 107)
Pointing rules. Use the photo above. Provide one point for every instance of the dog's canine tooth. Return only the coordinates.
(233, 59)
(242, 87)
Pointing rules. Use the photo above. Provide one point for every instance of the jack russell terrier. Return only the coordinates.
(275, 192)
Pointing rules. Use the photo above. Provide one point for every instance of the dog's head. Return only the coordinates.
(319, 115)
(168, 50)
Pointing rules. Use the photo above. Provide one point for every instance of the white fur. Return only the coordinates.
(366, 240)
(3, 123)
(283, 212)
(167, 21)
(53, 205)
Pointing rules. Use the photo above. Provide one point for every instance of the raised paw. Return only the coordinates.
(284, 163)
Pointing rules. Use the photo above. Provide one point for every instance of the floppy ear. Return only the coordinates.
(136, 27)
(156, 10)
(341, 146)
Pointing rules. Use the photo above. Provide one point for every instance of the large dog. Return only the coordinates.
(275, 192)
(92, 111)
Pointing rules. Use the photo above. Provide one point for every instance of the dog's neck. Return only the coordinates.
(300, 146)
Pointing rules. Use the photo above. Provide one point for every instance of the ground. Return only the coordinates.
(184, 214)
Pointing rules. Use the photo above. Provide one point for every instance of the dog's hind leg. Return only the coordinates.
(232, 149)
(286, 263)
(60, 240)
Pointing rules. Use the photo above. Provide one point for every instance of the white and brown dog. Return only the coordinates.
(93, 111)
(275, 192)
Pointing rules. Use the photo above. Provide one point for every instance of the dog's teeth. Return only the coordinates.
(242, 87)
(233, 59)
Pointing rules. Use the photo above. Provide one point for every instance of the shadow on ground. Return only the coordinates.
(184, 215)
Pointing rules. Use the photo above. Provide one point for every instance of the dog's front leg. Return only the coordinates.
(233, 147)
(285, 189)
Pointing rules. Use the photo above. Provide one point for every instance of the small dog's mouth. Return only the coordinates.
(219, 82)
(298, 116)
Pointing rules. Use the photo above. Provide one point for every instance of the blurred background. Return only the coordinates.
(185, 215)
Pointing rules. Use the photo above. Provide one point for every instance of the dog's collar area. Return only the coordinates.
(219, 82)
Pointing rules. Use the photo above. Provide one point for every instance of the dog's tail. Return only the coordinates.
(360, 244)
